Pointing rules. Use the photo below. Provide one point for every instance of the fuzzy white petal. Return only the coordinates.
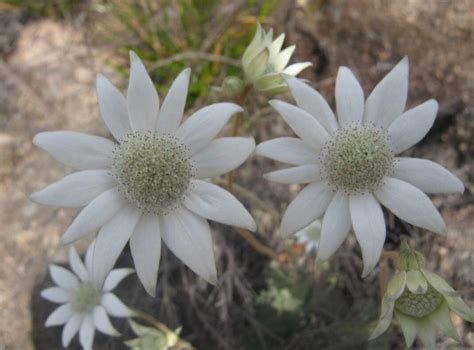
(288, 150)
(369, 227)
(77, 150)
(96, 214)
(428, 176)
(214, 203)
(114, 306)
(302, 123)
(336, 225)
(308, 205)
(55, 295)
(113, 108)
(313, 103)
(296, 68)
(70, 329)
(89, 258)
(143, 103)
(188, 236)
(200, 128)
(410, 204)
(115, 277)
(77, 265)
(302, 174)
(111, 240)
(221, 156)
(172, 110)
(145, 245)
(59, 316)
(62, 277)
(349, 98)
(387, 101)
(102, 321)
(283, 58)
(86, 333)
(409, 128)
(75, 190)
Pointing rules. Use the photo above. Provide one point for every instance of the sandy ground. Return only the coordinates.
(47, 83)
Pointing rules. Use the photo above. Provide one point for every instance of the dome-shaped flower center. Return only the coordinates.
(152, 171)
(85, 297)
(419, 305)
(357, 158)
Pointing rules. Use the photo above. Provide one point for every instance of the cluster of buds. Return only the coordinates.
(421, 301)
(265, 65)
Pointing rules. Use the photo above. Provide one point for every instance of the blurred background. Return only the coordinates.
(50, 52)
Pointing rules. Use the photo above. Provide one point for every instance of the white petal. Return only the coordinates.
(142, 99)
(410, 204)
(115, 277)
(214, 203)
(308, 206)
(145, 245)
(201, 127)
(96, 214)
(428, 176)
(75, 190)
(62, 277)
(313, 103)
(409, 128)
(302, 174)
(113, 108)
(296, 68)
(276, 45)
(369, 227)
(387, 101)
(70, 329)
(77, 150)
(86, 333)
(349, 98)
(55, 295)
(221, 156)
(102, 321)
(302, 123)
(283, 58)
(172, 110)
(287, 150)
(114, 306)
(59, 316)
(189, 238)
(77, 265)
(111, 240)
(336, 225)
(89, 259)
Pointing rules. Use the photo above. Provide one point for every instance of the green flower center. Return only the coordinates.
(153, 172)
(85, 297)
(419, 305)
(358, 158)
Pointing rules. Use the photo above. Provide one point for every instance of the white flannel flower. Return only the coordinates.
(149, 184)
(86, 301)
(350, 164)
(310, 236)
(265, 64)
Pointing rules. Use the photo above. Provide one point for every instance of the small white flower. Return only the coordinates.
(86, 302)
(265, 64)
(350, 164)
(310, 236)
(149, 184)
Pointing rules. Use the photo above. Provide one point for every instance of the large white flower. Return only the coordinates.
(149, 184)
(265, 63)
(350, 164)
(86, 302)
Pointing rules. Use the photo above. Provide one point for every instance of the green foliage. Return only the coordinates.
(149, 338)
(47, 8)
(172, 35)
(301, 312)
